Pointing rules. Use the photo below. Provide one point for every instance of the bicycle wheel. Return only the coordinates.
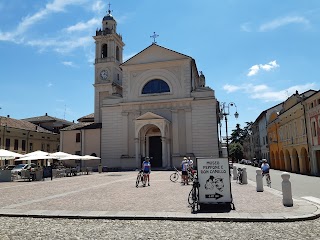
(174, 177)
(195, 201)
(268, 181)
(190, 197)
(138, 180)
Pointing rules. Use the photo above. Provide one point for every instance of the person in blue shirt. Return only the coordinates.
(265, 167)
(146, 167)
(184, 169)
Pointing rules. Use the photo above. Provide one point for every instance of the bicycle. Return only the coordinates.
(175, 176)
(193, 197)
(140, 178)
(240, 175)
(268, 179)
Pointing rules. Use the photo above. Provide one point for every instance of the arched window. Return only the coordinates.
(117, 54)
(155, 86)
(104, 52)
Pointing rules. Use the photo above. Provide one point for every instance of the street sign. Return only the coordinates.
(214, 179)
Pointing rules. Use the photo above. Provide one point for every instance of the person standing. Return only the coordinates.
(146, 167)
(184, 169)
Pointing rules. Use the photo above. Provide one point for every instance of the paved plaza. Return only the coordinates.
(113, 195)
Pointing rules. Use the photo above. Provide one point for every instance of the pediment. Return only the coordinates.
(155, 53)
(148, 116)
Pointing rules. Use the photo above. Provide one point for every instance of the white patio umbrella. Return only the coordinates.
(71, 157)
(59, 155)
(34, 157)
(37, 153)
(5, 154)
(88, 157)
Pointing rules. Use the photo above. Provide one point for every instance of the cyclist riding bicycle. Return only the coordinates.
(146, 167)
(265, 167)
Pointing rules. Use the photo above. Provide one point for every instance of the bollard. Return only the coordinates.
(100, 168)
(259, 180)
(244, 176)
(235, 173)
(286, 190)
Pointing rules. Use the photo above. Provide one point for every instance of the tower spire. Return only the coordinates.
(109, 9)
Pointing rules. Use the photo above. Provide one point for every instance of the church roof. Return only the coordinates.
(152, 46)
(83, 125)
(108, 17)
(87, 118)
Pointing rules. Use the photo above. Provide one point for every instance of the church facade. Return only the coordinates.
(154, 104)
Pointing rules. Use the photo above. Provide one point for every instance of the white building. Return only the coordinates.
(155, 104)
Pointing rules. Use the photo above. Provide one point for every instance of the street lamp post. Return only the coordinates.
(224, 112)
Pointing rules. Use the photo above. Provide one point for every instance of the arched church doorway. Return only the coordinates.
(152, 145)
(155, 151)
(152, 139)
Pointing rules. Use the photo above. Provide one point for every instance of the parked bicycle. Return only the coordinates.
(268, 179)
(140, 178)
(176, 175)
(240, 175)
(193, 197)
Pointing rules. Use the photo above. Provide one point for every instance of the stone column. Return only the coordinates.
(168, 154)
(143, 147)
(125, 133)
(136, 142)
(164, 151)
(286, 190)
(188, 130)
(259, 180)
(175, 132)
(244, 176)
(235, 173)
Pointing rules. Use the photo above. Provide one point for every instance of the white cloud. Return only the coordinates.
(61, 46)
(81, 26)
(253, 70)
(231, 88)
(17, 35)
(280, 22)
(50, 84)
(98, 6)
(69, 64)
(245, 27)
(266, 67)
(267, 94)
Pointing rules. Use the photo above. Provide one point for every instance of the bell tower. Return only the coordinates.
(108, 57)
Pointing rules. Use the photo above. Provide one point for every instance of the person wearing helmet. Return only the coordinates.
(184, 169)
(146, 167)
(265, 167)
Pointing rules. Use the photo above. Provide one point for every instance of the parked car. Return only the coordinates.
(9, 167)
(243, 161)
(255, 162)
(17, 169)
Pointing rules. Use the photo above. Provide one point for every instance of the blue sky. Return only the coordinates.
(253, 53)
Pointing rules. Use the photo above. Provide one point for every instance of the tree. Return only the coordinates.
(236, 151)
(238, 135)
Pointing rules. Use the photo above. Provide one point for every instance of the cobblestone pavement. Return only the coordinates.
(116, 192)
(38, 228)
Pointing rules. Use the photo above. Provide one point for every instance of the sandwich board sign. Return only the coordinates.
(214, 180)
